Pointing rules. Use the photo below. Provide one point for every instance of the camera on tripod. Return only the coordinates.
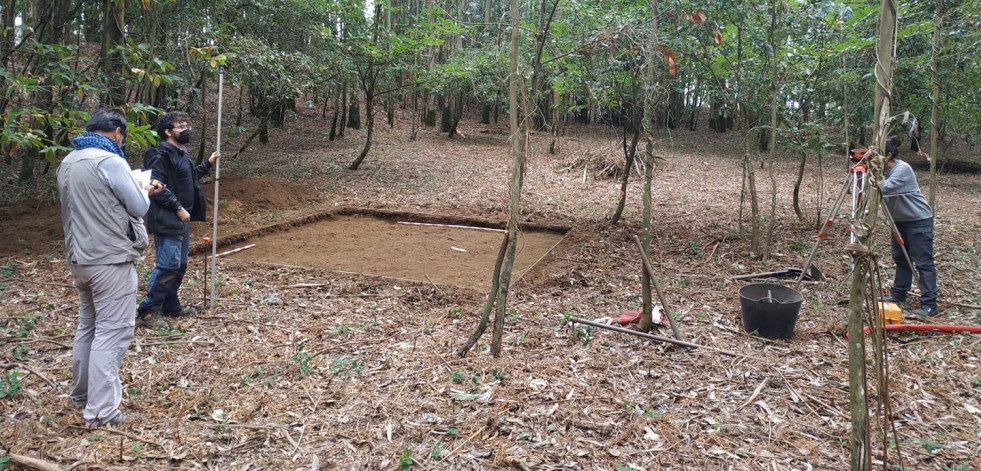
(856, 155)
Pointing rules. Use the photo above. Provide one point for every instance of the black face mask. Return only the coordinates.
(184, 137)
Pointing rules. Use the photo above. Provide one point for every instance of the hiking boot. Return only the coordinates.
(889, 298)
(119, 419)
(152, 320)
(926, 311)
(187, 311)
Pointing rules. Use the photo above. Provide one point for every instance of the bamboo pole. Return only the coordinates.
(214, 202)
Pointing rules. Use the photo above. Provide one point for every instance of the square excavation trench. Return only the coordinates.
(398, 246)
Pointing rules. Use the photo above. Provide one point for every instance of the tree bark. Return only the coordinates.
(772, 146)
(651, 96)
(938, 19)
(369, 94)
(112, 60)
(859, 442)
(629, 154)
(797, 185)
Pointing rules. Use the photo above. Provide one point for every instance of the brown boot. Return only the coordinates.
(152, 320)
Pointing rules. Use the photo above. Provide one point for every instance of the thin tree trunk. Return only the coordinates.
(502, 268)
(369, 92)
(797, 185)
(629, 154)
(489, 303)
(340, 129)
(938, 19)
(556, 120)
(204, 114)
(774, 103)
(112, 36)
(241, 100)
(860, 443)
(651, 96)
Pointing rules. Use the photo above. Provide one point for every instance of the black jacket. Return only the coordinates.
(183, 188)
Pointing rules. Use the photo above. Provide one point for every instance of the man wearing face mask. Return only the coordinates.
(170, 214)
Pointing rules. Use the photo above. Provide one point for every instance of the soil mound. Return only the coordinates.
(33, 227)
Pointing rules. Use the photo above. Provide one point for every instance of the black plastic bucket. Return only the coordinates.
(770, 310)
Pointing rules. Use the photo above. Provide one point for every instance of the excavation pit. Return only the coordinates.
(445, 251)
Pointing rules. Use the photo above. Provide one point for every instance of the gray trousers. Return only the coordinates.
(107, 317)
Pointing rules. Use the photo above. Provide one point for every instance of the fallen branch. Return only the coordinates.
(755, 394)
(29, 462)
(8, 366)
(18, 341)
(576, 320)
(434, 285)
(119, 432)
(968, 306)
(443, 457)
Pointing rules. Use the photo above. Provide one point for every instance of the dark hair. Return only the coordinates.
(892, 145)
(106, 121)
(167, 121)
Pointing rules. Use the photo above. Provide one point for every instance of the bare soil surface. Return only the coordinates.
(442, 255)
(308, 368)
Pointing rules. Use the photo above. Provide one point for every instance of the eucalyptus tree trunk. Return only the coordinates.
(368, 84)
(630, 152)
(556, 119)
(650, 112)
(204, 114)
(797, 184)
(7, 18)
(343, 124)
(938, 19)
(860, 443)
(520, 131)
(502, 269)
(749, 170)
(774, 105)
(112, 60)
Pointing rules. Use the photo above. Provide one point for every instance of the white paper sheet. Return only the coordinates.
(142, 178)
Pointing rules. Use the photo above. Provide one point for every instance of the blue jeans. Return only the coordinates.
(918, 236)
(167, 275)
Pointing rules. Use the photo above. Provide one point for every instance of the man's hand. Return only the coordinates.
(214, 157)
(154, 190)
(155, 187)
(183, 215)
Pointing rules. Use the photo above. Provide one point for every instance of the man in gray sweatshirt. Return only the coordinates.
(102, 207)
(914, 221)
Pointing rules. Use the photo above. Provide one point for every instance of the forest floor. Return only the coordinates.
(307, 365)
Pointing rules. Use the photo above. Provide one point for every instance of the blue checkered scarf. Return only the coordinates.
(90, 139)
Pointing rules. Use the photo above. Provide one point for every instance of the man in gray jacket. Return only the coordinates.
(102, 206)
(914, 221)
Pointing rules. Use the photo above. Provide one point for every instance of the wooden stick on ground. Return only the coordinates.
(8, 366)
(28, 462)
(121, 433)
(452, 226)
(657, 288)
(576, 320)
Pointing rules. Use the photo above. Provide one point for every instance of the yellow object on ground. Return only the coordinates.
(891, 312)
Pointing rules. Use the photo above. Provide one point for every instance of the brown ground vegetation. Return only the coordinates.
(306, 368)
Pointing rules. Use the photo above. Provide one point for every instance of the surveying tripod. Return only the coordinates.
(857, 174)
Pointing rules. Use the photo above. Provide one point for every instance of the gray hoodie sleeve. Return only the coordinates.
(116, 173)
(900, 179)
